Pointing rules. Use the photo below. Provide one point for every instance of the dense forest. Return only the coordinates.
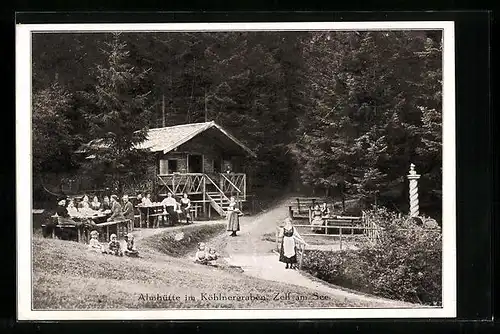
(340, 113)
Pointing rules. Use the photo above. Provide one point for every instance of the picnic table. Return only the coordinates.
(96, 217)
(78, 225)
(155, 210)
(122, 227)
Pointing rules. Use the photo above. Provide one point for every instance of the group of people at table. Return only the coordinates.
(110, 209)
(176, 210)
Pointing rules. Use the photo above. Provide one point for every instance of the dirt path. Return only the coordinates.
(250, 251)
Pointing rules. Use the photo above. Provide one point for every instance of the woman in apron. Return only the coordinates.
(290, 238)
(233, 217)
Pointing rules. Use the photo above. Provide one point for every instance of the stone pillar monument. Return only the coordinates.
(413, 177)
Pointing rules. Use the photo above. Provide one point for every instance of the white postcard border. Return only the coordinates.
(24, 182)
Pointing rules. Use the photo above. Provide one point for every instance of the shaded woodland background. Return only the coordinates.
(330, 113)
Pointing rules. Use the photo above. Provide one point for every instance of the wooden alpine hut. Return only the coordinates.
(202, 160)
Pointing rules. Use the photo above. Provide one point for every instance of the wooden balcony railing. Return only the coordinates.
(191, 183)
(234, 183)
(196, 183)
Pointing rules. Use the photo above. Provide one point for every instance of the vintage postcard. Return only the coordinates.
(298, 170)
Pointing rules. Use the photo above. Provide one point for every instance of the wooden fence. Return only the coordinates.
(370, 232)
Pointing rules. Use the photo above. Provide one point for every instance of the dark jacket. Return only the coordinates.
(105, 206)
(128, 211)
(62, 211)
(116, 212)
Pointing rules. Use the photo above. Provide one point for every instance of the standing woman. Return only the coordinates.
(233, 217)
(185, 206)
(288, 251)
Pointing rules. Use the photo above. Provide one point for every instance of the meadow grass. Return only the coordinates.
(66, 275)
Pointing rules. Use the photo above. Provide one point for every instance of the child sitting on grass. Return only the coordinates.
(211, 256)
(130, 249)
(205, 255)
(114, 246)
(201, 253)
(94, 244)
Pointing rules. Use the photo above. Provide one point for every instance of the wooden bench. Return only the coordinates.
(299, 208)
(80, 235)
(156, 218)
(81, 232)
(194, 210)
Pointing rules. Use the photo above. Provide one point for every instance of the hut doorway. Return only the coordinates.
(195, 163)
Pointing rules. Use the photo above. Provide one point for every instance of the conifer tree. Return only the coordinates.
(117, 113)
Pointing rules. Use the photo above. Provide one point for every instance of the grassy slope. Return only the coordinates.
(67, 276)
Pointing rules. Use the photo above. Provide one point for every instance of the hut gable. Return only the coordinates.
(169, 138)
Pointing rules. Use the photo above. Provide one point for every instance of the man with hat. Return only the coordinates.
(128, 209)
(116, 209)
(61, 210)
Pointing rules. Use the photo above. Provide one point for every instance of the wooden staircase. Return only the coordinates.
(219, 202)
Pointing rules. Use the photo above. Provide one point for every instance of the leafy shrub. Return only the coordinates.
(405, 264)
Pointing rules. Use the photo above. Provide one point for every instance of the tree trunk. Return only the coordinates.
(343, 199)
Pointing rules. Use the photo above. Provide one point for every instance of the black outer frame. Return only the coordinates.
(473, 137)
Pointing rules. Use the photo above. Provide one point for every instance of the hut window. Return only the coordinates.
(172, 166)
(217, 165)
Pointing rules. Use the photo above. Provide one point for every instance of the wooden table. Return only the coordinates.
(123, 227)
(82, 234)
(156, 210)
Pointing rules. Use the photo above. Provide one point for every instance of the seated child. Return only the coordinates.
(211, 255)
(114, 246)
(201, 253)
(94, 243)
(130, 249)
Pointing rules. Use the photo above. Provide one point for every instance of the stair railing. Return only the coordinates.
(223, 196)
(216, 205)
(233, 186)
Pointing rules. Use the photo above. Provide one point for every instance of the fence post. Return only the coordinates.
(340, 229)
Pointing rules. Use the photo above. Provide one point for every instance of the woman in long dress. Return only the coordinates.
(290, 238)
(233, 217)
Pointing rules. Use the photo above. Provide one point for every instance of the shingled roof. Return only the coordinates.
(168, 138)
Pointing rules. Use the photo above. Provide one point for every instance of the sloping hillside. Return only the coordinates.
(68, 276)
